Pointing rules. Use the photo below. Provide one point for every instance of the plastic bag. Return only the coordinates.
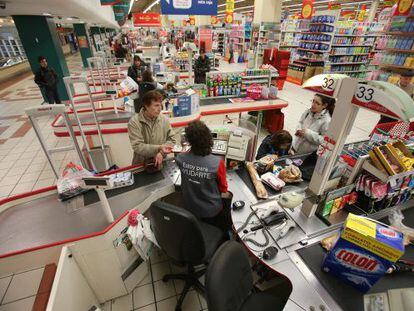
(71, 184)
(396, 221)
(273, 92)
(141, 235)
(265, 92)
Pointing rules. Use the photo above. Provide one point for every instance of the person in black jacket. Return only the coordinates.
(201, 67)
(47, 80)
(136, 69)
(278, 143)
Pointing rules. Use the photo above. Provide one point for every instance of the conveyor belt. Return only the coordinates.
(214, 101)
(244, 175)
(345, 295)
(140, 179)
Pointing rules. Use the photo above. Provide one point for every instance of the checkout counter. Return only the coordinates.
(79, 223)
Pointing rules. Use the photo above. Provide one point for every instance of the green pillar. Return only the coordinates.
(95, 31)
(39, 38)
(83, 42)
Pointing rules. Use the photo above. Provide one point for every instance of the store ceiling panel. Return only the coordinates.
(89, 11)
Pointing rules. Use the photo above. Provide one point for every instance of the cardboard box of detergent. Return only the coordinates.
(363, 252)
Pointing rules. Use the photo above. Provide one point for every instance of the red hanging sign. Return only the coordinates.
(334, 6)
(192, 20)
(403, 7)
(147, 19)
(213, 20)
(307, 9)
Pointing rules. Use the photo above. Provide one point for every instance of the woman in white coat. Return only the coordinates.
(313, 125)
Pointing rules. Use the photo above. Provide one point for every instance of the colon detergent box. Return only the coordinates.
(363, 252)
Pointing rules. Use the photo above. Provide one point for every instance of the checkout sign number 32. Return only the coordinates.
(364, 93)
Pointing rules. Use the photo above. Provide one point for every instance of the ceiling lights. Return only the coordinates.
(154, 3)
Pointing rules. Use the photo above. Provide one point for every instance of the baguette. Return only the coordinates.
(257, 183)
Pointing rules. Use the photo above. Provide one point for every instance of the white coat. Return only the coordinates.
(315, 126)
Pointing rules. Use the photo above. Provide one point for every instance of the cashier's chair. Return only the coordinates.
(229, 283)
(186, 241)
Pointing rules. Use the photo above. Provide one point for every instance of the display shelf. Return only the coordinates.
(317, 33)
(396, 51)
(367, 166)
(349, 45)
(346, 63)
(256, 81)
(362, 36)
(309, 41)
(349, 71)
(395, 66)
(361, 54)
(255, 77)
(317, 23)
(214, 97)
(399, 33)
(314, 51)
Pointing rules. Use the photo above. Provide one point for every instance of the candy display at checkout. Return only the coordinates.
(223, 85)
(363, 252)
(392, 158)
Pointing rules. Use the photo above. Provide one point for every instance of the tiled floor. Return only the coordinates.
(18, 291)
(153, 294)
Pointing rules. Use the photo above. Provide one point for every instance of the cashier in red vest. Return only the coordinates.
(203, 178)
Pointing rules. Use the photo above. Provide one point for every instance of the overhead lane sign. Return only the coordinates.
(189, 7)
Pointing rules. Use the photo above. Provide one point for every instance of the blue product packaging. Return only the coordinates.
(363, 252)
(184, 104)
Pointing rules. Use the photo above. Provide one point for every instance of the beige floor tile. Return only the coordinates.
(10, 180)
(160, 269)
(20, 305)
(29, 177)
(23, 188)
(6, 190)
(6, 164)
(143, 296)
(123, 303)
(16, 171)
(167, 304)
(164, 290)
(23, 285)
(191, 302)
(4, 284)
(148, 308)
(44, 183)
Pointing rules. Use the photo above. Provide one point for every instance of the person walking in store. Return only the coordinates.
(150, 133)
(201, 67)
(147, 84)
(47, 80)
(313, 125)
(136, 69)
(278, 143)
(407, 86)
(203, 178)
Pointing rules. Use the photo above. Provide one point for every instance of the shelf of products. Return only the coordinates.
(268, 37)
(395, 49)
(291, 33)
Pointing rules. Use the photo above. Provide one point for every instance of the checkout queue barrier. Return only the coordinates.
(114, 127)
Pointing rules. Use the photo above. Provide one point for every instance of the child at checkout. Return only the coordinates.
(278, 143)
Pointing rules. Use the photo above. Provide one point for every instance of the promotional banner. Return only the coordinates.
(389, 3)
(349, 14)
(362, 14)
(192, 20)
(334, 6)
(121, 10)
(147, 19)
(189, 7)
(307, 9)
(110, 2)
(213, 20)
(403, 7)
(229, 18)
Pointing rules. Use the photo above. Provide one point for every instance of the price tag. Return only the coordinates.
(110, 92)
(329, 83)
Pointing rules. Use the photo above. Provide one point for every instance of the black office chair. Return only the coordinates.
(229, 283)
(185, 240)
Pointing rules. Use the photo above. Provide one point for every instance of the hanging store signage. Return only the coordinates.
(229, 18)
(110, 2)
(307, 9)
(121, 10)
(83, 42)
(213, 20)
(348, 14)
(192, 20)
(189, 7)
(147, 19)
(334, 6)
(403, 7)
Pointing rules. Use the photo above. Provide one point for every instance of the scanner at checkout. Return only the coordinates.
(233, 146)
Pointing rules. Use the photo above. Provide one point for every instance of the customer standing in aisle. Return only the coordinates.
(203, 178)
(150, 133)
(47, 80)
(407, 86)
(201, 67)
(313, 125)
(136, 69)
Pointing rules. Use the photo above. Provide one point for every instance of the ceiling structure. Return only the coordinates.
(90, 11)
(246, 6)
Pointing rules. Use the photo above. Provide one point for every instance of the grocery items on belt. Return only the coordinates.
(260, 189)
(363, 252)
(291, 174)
(272, 181)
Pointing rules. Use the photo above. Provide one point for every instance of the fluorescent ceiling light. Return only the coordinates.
(240, 8)
(131, 4)
(151, 6)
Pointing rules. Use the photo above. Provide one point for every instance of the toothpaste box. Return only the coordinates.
(363, 252)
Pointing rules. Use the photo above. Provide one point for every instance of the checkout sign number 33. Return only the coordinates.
(364, 93)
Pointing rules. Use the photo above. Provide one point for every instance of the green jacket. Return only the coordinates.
(147, 136)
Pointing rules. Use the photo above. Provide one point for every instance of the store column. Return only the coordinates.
(267, 11)
(39, 38)
(203, 20)
(83, 42)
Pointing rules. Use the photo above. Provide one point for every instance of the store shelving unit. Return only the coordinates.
(290, 32)
(219, 41)
(237, 39)
(268, 37)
